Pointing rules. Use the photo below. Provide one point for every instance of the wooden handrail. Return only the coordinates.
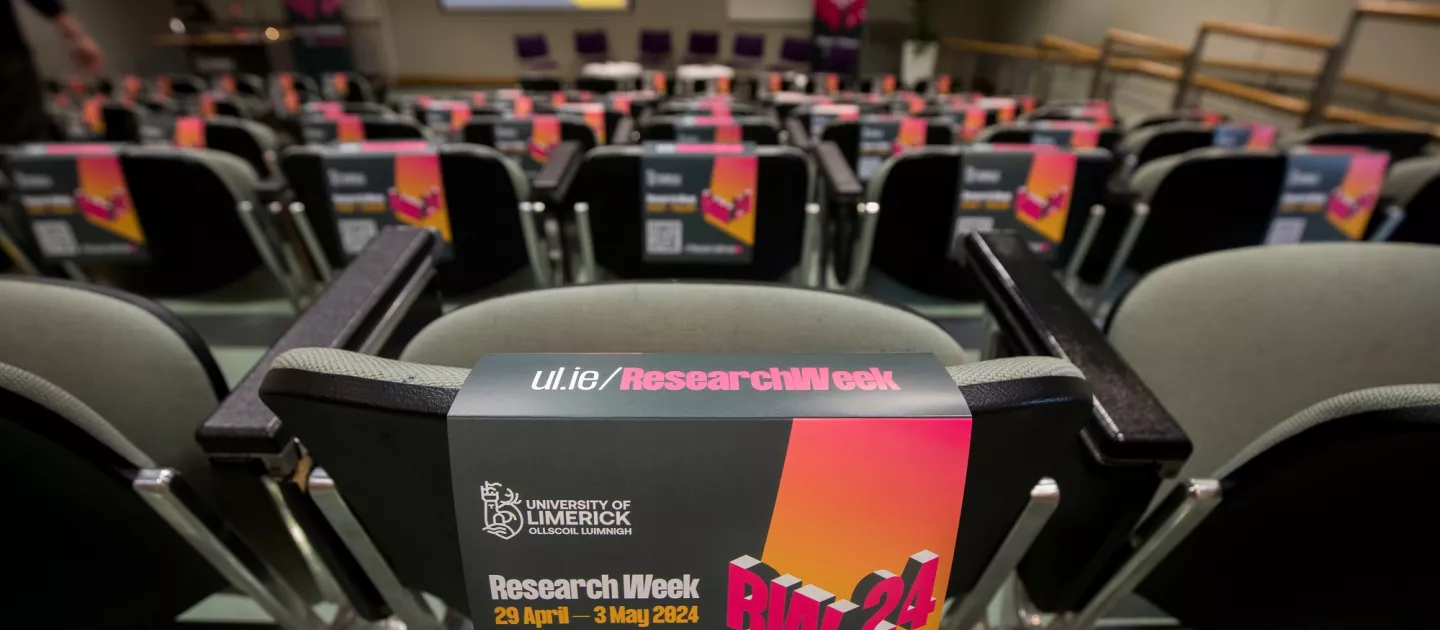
(1269, 34)
(1071, 46)
(1252, 66)
(991, 48)
(1149, 42)
(1412, 11)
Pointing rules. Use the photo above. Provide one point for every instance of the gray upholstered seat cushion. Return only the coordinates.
(1374, 399)
(676, 317)
(49, 396)
(129, 366)
(1235, 342)
(1408, 177)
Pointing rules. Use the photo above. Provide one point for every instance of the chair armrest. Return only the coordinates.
(797, 134)
(273, 189)
(357, 312)
(841, 184)
(1038, 317)
(552, 183)
(624, 132)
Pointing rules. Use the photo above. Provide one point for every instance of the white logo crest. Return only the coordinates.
(502, 516)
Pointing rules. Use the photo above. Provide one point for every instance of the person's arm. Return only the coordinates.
(83, 49)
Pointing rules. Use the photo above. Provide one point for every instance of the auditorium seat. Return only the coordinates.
(384, 443)
(1401, 145)
(1025, 132)
(610, 182)
(1188, 213)
(1145, 144)
(186, 202)
(482, 130)
(375, 128)
(250, 141)
(757, 129)
(1413, 185)
(915, 235)
(1189, 115)
(101, 392)
(483, 191)
(1305, 377)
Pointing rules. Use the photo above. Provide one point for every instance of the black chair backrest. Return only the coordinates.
(1346, 486)
(918, 200)
(703, 108)
(482, 130)
(237, 138)
(611, 180)
(1175, 139)
(1422, 222)
(846, 135)
(375, 128)
(1190, 214)
(1024, 133)
(86, 531)
(191, 236)
(757, 129)
(1189, 115)
(1401, 145)
(386, 446)
(480, 196)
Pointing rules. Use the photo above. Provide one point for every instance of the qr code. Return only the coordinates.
(56, 239)
(664, 236)
(355, 234)
(1286, 231)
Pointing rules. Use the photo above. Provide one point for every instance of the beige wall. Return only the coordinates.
(1401, 53)
(429, 41)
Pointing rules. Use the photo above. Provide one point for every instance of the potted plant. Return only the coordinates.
(921, 48)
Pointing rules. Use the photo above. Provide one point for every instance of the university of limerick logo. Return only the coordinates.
(502, 516)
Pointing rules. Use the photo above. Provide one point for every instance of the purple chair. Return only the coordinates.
(794, 54)
(843, 61)
(749, 51)
(655, 49)
(592, 46)
(534, 53)
(704, 47)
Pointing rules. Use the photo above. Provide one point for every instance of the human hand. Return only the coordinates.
(87, 55)
(83, 50)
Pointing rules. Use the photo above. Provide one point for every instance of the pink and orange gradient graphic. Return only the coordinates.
(189, 132)
(1353, 202)
(349, 128)
(973, 122)
(1261, 136)
(734, 185)
(418, 198)
(911, 134)
(104, 199)
(834, 523)
(544, 137)
(1043, 203)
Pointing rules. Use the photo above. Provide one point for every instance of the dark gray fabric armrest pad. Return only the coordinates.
(1042, 319)
(840, 179)
(552, 183)
(341, 318)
